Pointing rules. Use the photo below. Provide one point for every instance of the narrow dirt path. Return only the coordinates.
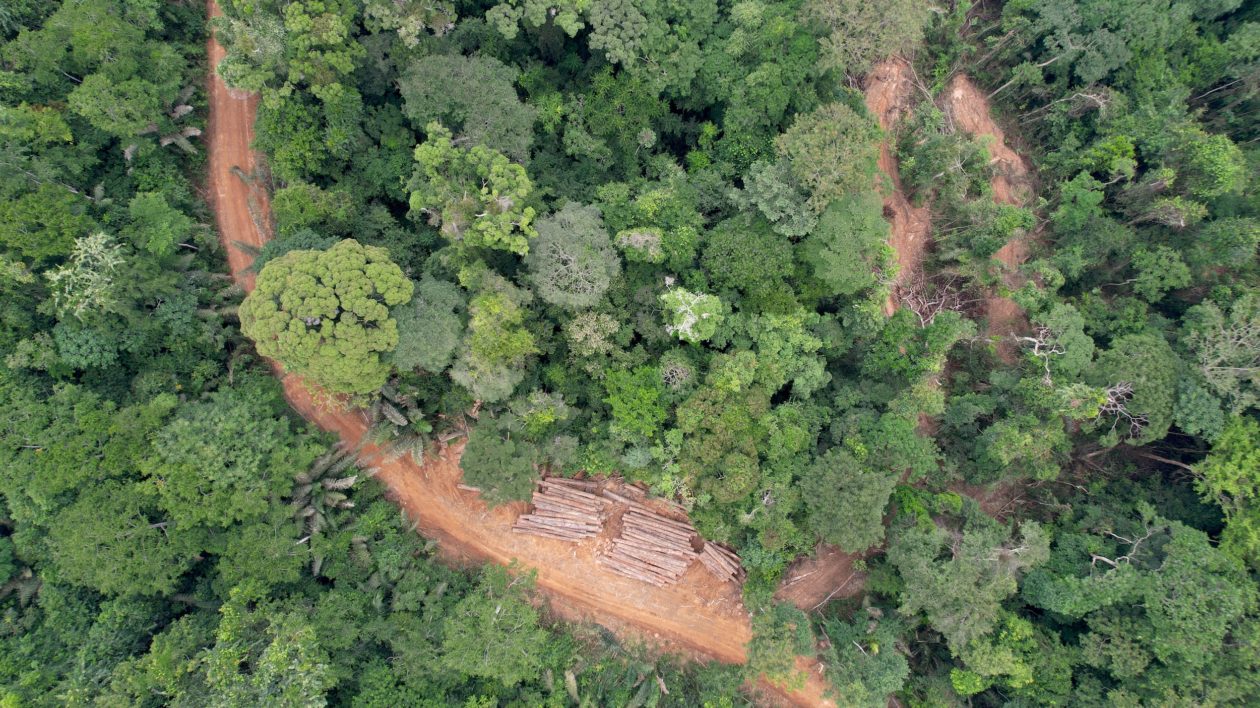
(829, 573)
(889, 90)
(968, 107)
(699, 614)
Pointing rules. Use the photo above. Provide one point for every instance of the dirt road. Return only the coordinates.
(699, 614)
(968, 107)
(889, 92)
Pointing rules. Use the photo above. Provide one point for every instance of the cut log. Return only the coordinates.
(717, 566)
(567, 504)
(565, 514)
(637, 565)
(663, 532)
(641, 518)
(665, 535)
(468, 488)
(661, 520)
(722, 562)
(719, 572)
(547, 534)
(578, 483)
(576, 495)
(663, 575)
(636, 575)
(666, 550)
(570, 493)
(656, 559)
(727, 555)
(653, 541)
(641, 566)
(565, 509)
(652, 557)
(716, 570)
(567, 533)
(560, 490)
(634, 505)
(554, 529)
(556, 521)
(634, 491)
(721, 558)
(583, 532)
(620, 499)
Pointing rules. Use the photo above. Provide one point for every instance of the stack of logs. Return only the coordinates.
(722, 562)
(564, 509)
(651, 547)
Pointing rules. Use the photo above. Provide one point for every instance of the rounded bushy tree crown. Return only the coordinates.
(325, 314)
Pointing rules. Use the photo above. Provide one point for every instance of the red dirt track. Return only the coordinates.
(698, 615)
(968, 107)
(889, 90)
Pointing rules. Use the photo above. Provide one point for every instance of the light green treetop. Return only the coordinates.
(325, 314)
(693, 317)
(474, 195)
(573, 261)
(862, 33)
(832, 152)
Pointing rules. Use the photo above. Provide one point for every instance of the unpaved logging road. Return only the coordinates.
(890, 95)
(699, 615)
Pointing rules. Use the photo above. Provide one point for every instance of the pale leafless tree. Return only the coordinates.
(927, 299)
(1044, 345)
(1115, 405)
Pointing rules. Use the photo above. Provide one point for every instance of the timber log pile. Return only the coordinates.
(564, 509)
(651, 547)
(722, 562)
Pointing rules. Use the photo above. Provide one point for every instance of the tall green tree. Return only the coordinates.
(846, 500)
(325, 314)
(224, 460)
(474, 195)
(493, 632)
(832, 152)
(475, 96)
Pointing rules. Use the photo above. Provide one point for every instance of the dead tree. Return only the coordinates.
(1115, 404)
(927, 299)
(1044, 345)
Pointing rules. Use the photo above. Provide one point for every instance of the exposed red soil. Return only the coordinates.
(968, 108)
(229, 134)
(699, 614)
(889, 89)
(827, 575)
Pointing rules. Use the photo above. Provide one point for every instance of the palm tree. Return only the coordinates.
(397, 425)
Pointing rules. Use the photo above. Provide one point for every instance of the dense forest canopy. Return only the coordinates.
(648, 239)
